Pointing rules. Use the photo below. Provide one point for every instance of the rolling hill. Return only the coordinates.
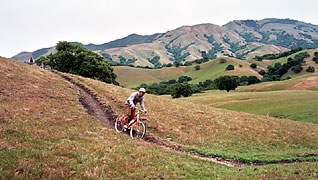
(132, 77)
(242, 39)
(294, 99)
(47, 133)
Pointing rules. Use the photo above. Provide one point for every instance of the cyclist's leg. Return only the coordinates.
(128, 113)
(133, 112)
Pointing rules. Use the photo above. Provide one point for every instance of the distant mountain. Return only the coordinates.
(129, 40)
(242, 39)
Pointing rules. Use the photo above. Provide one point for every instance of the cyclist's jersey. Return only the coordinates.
(134, 99)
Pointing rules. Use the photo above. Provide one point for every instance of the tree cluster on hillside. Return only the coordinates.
(279, 55)
(76, 59)
(155, 61)
(176, 51)
(216, 48)
(165, 87)
(283, 39)
(315, 58)
(274, 73)
(180, 87)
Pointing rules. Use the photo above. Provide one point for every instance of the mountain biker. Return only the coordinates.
(31, 61)
(132, 101)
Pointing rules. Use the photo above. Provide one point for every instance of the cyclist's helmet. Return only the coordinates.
(142, 90)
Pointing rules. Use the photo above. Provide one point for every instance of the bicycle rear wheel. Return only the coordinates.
(119, 124)
(138, 130)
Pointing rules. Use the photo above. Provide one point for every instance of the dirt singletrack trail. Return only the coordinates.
(104, 113)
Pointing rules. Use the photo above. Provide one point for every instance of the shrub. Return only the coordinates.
(222, 60)
(253, 65)
(310, 69)
(197, 67)
(229, 67)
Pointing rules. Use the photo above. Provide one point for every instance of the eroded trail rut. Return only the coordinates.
(107, 116)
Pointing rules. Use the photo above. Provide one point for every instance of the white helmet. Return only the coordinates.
(142, 90)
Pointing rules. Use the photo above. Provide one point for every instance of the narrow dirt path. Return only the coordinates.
(104, 113)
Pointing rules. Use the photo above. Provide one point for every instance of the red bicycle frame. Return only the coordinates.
(134, 120)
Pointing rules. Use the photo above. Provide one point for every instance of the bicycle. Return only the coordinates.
(136, 126)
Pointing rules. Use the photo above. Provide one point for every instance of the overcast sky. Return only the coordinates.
(28, 25)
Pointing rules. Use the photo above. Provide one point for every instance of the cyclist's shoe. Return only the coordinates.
(125, 126)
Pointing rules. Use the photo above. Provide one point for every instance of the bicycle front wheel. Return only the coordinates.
(138, 130)
(119, 124)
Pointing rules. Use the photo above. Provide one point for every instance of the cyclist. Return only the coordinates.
(132, 101)
(31, 61)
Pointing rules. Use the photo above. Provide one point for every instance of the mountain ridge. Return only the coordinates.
(243, 39)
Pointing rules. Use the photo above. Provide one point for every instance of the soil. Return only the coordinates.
(104, 113)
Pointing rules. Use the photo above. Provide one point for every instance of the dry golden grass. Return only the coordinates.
(223, 131)
(45, 133)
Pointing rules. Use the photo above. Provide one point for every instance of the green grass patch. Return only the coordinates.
(223, 156)
(295, 105)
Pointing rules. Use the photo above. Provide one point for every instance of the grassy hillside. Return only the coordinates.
(305, 82)
(291, 104)
(294, 99)
(47, 134)
(264, 63)
(132, 77)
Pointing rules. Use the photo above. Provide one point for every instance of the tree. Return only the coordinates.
(297, 69)
(181, 89)
(226, 83)
(76, 59)
(222, 60)
(253, 65)
(229, 67)
(310, 69)
(177, 64)
(183, 79)
(42, 61)
(262, 72)
(197, 67)
(253, 80)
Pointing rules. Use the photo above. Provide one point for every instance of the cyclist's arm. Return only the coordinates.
(142, 105)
